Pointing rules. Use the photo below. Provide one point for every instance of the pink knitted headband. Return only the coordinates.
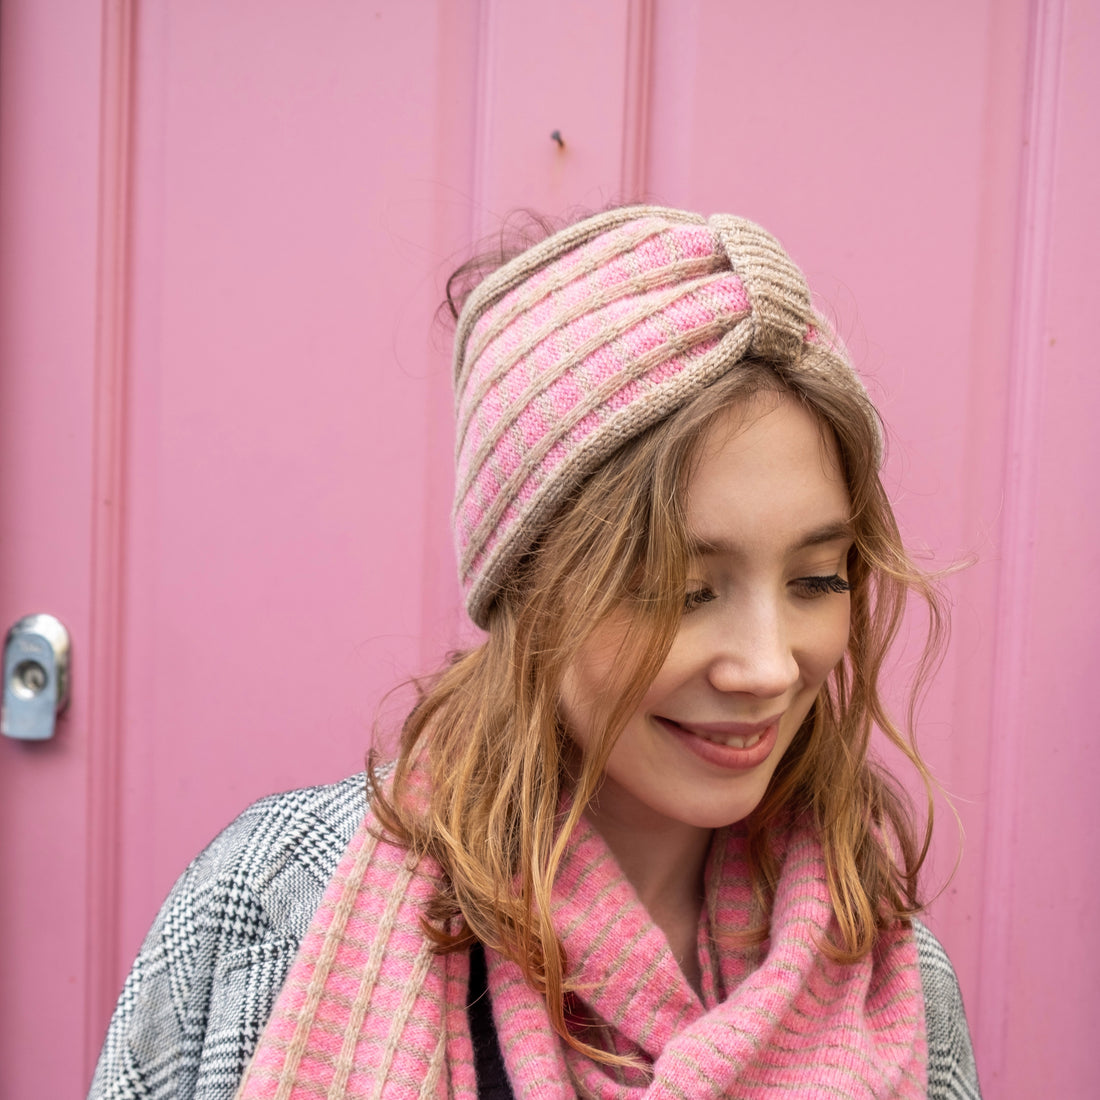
(590, 337)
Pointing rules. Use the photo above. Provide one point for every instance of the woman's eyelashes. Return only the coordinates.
(696, 597)
(809, 587)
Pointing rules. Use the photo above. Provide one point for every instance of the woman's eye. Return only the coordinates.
(697, 597)
(819, 586)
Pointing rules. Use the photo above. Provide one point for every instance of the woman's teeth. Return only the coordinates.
(733, 742)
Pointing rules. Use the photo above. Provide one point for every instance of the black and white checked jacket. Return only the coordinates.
(199, 994)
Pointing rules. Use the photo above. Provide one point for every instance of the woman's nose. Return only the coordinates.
(752, 653)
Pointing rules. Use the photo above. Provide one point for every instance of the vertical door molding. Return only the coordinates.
(103, 665)
(636, 102)
(1025, 387)
(483, 100)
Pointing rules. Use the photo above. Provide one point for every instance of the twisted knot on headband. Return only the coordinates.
(592, 336)
(782, 313)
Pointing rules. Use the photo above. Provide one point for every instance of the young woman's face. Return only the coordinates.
(766, 615)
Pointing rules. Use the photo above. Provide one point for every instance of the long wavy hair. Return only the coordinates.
(484, 758)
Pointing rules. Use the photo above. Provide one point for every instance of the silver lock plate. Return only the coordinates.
(36, 678)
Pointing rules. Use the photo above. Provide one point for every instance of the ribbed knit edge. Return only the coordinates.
(584, 459)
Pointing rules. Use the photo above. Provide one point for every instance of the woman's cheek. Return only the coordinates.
(832, 644)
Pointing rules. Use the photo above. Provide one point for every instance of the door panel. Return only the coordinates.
(49, 127)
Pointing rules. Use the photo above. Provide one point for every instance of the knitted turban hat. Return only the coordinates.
(592, 336)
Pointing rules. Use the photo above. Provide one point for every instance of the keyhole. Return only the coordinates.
(29, 679)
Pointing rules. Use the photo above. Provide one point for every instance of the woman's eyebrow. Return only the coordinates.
(835, 531)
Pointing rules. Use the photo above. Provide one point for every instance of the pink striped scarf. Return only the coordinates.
(368, 1010)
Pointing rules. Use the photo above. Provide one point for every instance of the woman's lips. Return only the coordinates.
(733, 745)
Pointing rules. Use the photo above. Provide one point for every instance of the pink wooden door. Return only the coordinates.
(225, 425)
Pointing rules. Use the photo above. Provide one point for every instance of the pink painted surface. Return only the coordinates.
(50, 129)
(543, 68)
(1044, 907)
(298, 180)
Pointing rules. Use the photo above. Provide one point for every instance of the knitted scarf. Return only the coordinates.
(369, 1010)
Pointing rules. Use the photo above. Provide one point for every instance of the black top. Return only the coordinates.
(492, 1080)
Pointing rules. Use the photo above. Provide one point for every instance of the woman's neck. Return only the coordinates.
(664, 862)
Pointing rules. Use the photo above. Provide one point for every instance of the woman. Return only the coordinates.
(632, 844)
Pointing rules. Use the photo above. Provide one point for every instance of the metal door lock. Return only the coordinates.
(36, 678)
